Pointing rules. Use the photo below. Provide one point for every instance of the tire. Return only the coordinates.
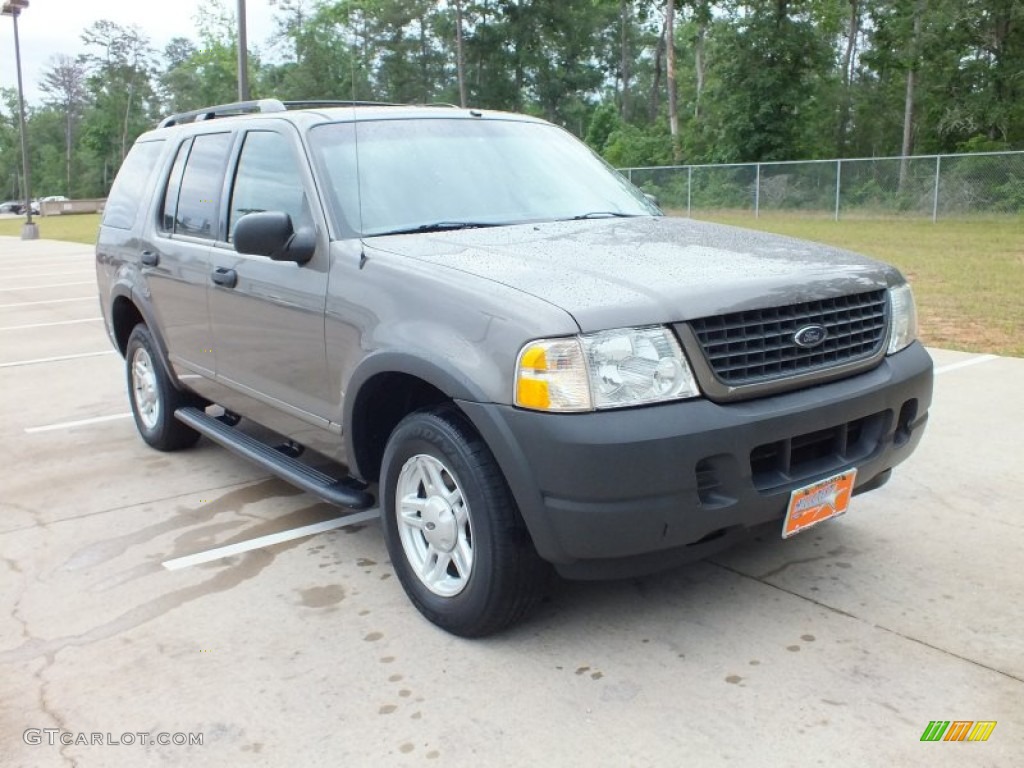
(461, 553)
(153, 397)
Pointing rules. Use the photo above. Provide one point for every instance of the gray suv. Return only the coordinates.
(469, 320)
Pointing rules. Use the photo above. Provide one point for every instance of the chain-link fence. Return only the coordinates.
(929, 185)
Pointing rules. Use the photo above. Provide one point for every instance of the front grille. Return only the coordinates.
(757, 345)
(815, 453)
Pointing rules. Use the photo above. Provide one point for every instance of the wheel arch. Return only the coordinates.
(124, 316)
(126, 311)
(386, 388)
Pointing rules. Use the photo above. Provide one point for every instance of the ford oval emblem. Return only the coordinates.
(810, 336)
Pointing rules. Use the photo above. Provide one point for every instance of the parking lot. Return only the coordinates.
(837, 647)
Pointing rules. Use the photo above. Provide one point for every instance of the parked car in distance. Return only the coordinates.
(499, 341)
(18, 207)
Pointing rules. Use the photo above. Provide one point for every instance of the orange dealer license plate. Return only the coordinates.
(817, 502)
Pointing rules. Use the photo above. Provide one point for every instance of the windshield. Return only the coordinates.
(441, 173)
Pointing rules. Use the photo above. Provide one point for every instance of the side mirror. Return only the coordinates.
(271, 234)
(652, 199)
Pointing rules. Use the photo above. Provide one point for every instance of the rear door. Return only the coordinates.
(176, 260)
(268, 316)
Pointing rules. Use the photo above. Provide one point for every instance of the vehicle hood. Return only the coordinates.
(611, 273)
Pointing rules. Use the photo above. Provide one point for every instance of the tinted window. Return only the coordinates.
(126, 194)
(268, 179)
(174, 187)
(199, 198)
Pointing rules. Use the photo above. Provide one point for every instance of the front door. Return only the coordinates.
(267, 316)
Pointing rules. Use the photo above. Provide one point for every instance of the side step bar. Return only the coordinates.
(342, 493)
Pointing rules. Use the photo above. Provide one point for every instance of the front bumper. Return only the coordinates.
(622, 492)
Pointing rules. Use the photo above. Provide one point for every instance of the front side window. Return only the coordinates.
(268, 179)
(199, 198)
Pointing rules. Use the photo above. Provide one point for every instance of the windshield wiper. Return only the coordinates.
(602, 215)
(439, 226)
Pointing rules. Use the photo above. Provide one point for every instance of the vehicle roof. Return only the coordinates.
(309, 117)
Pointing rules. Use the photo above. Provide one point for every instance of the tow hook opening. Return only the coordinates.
(905, 423)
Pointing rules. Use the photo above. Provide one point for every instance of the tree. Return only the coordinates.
(701, 22)
(732, 80)
(460, 58)
(122, 103)
(772, 66)
(10, 149)
(625, 58)
(670, 63)
(207, 73)
(908, 107)
(322, 52)
(847, 73)
(122, 71)
(64, 84)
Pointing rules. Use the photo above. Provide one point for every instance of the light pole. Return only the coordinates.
(243, 55)
(13, 8)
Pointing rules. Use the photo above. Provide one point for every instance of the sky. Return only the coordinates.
(50, 27)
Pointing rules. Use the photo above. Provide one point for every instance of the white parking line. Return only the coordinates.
(47, 325)
(51, 285)
(965, 363)
(83, 271)
(266, 541)
(79, 423)
(56, 359)
(41, 261)
(48, 301)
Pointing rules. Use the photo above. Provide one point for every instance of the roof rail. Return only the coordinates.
(223, 110)
(307, 103)
(272, 105)
(313, 103)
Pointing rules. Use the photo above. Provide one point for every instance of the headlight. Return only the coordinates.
(903, 320)
(608, 369)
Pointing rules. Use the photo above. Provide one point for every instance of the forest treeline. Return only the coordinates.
(645, 82)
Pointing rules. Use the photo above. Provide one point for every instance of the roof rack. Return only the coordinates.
(223, 110)
(270, 105)
(342, 103)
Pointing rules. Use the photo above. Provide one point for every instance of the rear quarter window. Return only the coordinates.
(126, 195)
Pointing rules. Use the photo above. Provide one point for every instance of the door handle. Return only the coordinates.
(150, 259)
(226, 277)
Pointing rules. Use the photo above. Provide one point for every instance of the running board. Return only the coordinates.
(342, 493)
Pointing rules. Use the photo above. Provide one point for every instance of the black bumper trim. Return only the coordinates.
(623, 484)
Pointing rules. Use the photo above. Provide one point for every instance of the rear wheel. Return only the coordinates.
(153, 397)
(452, 528)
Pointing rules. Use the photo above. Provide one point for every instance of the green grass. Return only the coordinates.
(74, 228)
(968, 275)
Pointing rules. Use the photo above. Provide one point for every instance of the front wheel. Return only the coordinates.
(452, 528)
(153, 397)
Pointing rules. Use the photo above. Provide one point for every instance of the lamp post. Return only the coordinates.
(13, 8)
(243, 55)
